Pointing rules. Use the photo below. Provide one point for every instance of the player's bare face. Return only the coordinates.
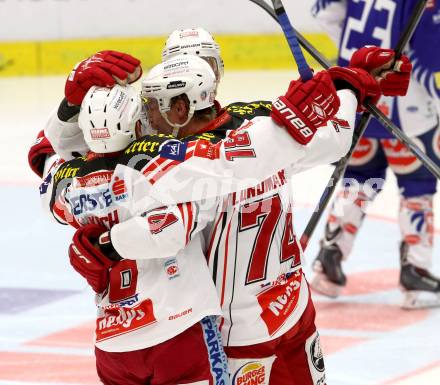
(155, 118)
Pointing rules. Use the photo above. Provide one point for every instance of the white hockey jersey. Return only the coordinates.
(252, 251)
(148, 301)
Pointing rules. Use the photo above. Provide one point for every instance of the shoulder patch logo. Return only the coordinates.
(173, 149)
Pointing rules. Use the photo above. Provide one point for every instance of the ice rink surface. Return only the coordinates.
(47, 311)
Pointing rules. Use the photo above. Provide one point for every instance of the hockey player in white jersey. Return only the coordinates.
(254, 257)
(354, 24)
(156, 318)
(238, 112)
(146, 302)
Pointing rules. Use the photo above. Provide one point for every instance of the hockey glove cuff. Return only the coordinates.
(38, 153)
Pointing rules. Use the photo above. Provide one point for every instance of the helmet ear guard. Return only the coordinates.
(108, 117)
(183, 74)
(197, 42)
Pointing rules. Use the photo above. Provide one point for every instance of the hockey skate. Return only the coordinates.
(329, 278)
(421, 289)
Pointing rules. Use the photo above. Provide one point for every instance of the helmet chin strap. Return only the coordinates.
(177, 126)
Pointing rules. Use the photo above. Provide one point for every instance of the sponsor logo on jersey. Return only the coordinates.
(66, 172)
(144, 146)
(93, 179)
(99, 133)
(207, 150)
(175, 84)
(364, 152)
(217, 356)
(129, 301)
(399, 157)
(119, 189)
(181, 314)
(251, 373)
(171, 268)
(173, 149)
(277, 302)
(119, 320)
(89, 202)
(108, 220)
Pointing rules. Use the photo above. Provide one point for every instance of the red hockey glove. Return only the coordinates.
(88, 259)
(360, 81)
(378, 62)
(102, 69)
(38, 153)
(306, 106)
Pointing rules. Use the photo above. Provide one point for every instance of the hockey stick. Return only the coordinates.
(386, 123)
(341, 166)
(362, 124)
(376, 113)
(283, 20)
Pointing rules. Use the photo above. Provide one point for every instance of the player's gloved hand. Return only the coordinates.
(87, 257)
(103, 69)
(359, 80)
(392, 75)
(38, 153)
(306, 106)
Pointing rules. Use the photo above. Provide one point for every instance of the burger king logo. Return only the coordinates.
(251, 373)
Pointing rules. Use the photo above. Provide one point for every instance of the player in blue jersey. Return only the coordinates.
(353, 24)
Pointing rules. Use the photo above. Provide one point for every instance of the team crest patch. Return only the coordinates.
(173, 149)
(171, 268)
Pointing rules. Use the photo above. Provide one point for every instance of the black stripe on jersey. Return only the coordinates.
(233, 286)
(195, 223)
(215, 262)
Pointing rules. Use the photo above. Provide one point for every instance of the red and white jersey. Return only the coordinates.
(252, 251)
(150, 299)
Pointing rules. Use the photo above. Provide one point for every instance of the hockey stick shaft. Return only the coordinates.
(283, 20)
(389, 126)
(341, 166)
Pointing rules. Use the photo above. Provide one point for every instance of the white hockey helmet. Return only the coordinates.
(108, 117)
(183, 74)
(194, 41)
